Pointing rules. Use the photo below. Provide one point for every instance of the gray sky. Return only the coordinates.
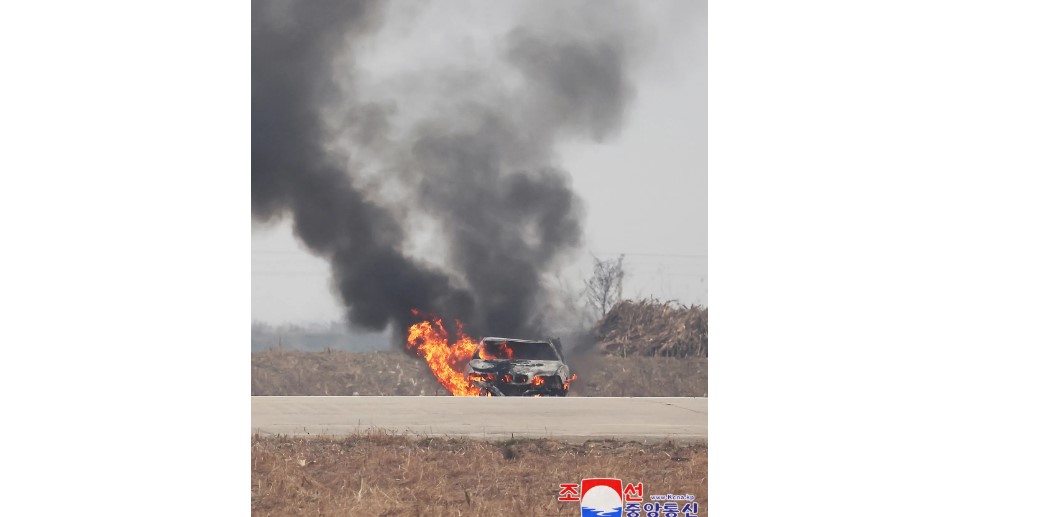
(644, 189)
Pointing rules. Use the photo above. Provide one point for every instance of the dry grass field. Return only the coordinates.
(383, 475)
(291, 372)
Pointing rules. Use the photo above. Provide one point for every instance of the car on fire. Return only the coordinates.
(518, 367)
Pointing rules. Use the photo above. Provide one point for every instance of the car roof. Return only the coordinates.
(538, 341)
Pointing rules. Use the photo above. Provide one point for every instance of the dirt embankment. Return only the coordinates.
(290, 372)
(381, 474)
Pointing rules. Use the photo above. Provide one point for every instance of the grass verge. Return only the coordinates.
(389, 475)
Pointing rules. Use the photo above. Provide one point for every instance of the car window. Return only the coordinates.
(538, 350)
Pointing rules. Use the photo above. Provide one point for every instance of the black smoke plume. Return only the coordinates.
(483, 166)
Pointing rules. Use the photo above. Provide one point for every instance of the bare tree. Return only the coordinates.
(604, 288)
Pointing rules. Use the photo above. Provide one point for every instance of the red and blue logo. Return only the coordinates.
(601, 497)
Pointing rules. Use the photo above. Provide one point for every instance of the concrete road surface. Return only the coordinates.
(681, 419)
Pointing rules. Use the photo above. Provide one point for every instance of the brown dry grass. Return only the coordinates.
(291, 372)
(382, 474)
(610, 376)
(651, 327)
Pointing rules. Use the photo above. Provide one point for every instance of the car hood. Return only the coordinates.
(516, 366)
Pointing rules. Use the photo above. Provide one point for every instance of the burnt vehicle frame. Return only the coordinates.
(519, 367)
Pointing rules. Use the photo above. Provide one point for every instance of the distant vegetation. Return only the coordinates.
(652, 328)
(316, 337)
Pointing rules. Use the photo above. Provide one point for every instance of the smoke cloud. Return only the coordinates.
(482, 165)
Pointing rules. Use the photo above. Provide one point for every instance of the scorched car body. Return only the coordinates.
(518, 367)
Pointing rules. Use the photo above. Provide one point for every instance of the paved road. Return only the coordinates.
(499, 418)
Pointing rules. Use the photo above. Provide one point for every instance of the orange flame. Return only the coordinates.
(538, 380)
(567, 383)
(489, 353)
(446, 359)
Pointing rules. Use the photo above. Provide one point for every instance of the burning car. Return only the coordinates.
(518, 367)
